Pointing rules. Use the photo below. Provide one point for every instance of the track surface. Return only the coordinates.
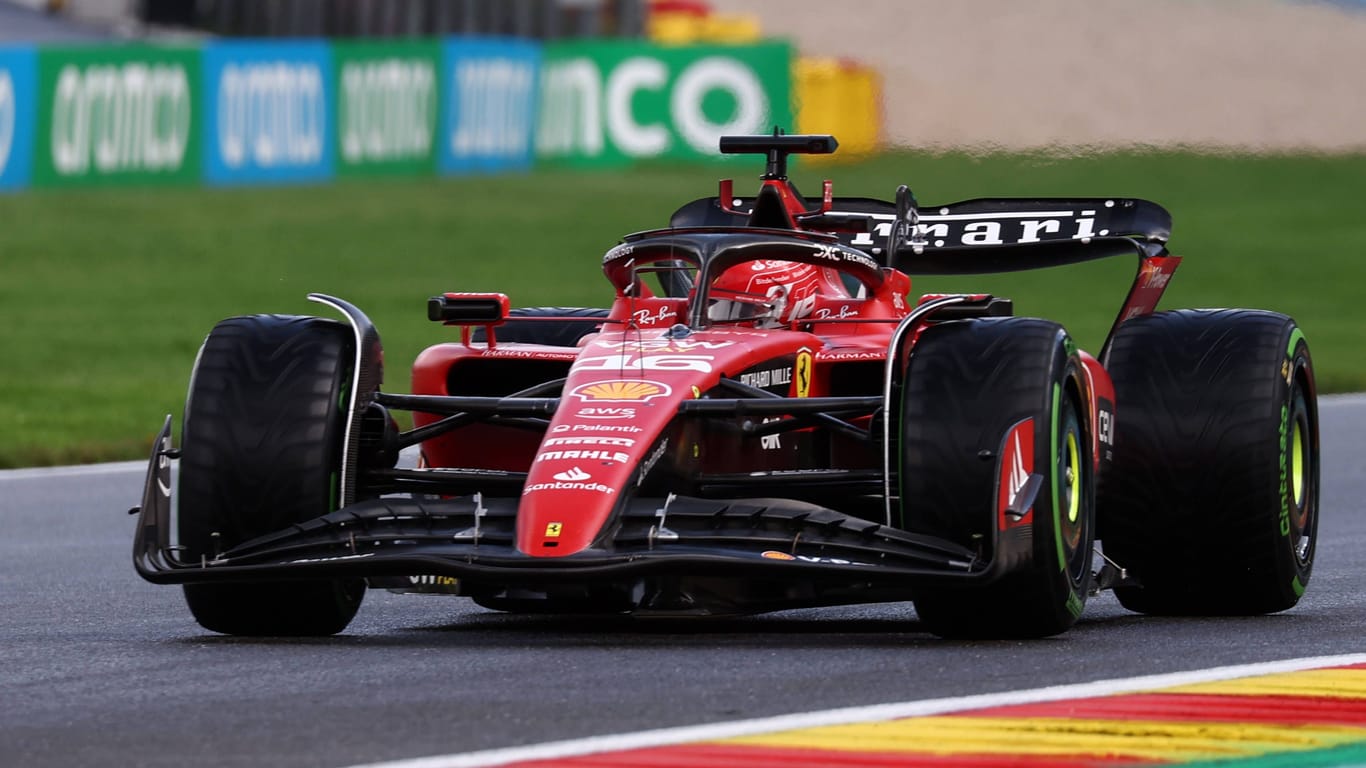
(100, 668)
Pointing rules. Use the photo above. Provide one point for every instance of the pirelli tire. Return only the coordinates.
(1212, 505)
(971, 386)
(261, 447)
(554, 326)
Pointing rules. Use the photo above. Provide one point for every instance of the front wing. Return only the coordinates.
(804, 554)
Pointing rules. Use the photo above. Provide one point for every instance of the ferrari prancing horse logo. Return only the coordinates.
(803, 373)
(552, 530)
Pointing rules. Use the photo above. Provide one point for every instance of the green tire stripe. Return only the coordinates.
(1053, 474)
(1296, 336)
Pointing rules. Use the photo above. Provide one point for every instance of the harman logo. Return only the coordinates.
(637, 391)
(572, 475)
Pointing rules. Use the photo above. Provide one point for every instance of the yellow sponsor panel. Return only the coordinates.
(687, 23)
(840, 97)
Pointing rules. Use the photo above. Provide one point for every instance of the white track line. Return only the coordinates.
(670, 736)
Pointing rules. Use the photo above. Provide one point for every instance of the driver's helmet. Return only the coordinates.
(768, 294)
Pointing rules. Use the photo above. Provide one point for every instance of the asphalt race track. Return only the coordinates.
(100, 668)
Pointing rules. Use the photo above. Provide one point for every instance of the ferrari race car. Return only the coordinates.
(762, 419)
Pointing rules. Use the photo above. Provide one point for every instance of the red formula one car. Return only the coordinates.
(763, 419)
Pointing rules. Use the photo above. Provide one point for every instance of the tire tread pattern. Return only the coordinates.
(261, 442)
(1194, 491)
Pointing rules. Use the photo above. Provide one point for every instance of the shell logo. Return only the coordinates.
(637, 391)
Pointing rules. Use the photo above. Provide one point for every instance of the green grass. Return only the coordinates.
(106, 294)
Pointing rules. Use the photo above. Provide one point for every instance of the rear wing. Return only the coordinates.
(987, 235)
(971, 237)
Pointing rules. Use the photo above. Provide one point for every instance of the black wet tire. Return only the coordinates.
(967, 385)
(1212, 501)
(261, 446)
(554, 331)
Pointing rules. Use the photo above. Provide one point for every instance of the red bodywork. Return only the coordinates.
(728, 434)
(616, 427)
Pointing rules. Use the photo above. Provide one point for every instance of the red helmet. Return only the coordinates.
(767, 293)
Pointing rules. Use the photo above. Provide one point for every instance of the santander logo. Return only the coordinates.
(572, 475)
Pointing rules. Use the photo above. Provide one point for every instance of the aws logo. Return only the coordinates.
(635, 391)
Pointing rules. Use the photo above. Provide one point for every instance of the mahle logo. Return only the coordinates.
(120, 118)
(388, 110)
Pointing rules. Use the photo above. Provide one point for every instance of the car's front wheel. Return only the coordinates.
(261, 447)
(991, 409)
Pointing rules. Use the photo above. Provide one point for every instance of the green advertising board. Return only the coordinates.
(610, 102)
(117, 115)
(387, 105)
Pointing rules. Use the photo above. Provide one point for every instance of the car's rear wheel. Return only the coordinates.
(987, 404)
(261, 447)
(557, 326)
(1212, 504)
